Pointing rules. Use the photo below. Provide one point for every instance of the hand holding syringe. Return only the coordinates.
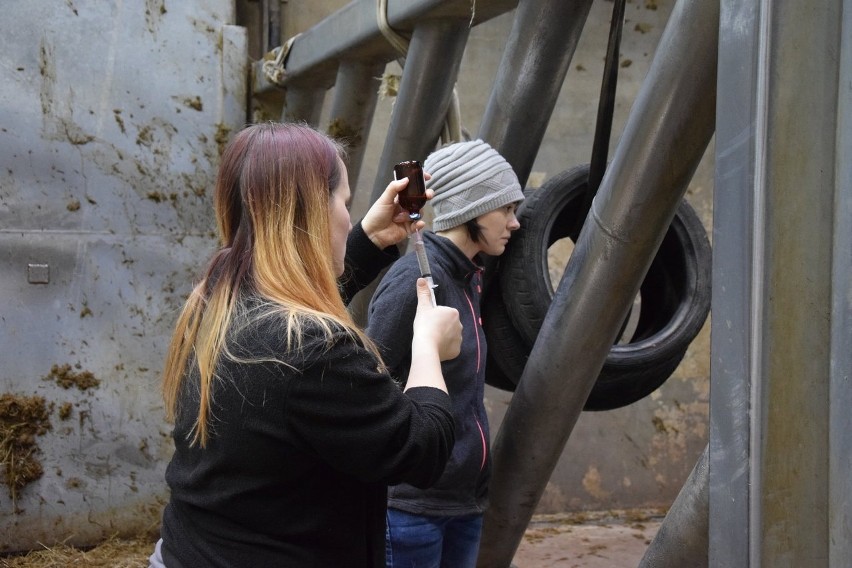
(412, 199)
(423, 263)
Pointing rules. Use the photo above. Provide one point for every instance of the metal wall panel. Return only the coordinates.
(780, 294)
(112, 116)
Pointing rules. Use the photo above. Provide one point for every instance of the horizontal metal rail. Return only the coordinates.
(352, 33)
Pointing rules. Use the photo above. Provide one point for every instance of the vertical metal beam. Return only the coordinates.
(664, 139)
(732, 278)
(356, 92)
(271, 24)
(774, 295)
(431, 68)
(530, 77)
(840, 394)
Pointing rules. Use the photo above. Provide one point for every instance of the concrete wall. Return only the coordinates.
(640, 455)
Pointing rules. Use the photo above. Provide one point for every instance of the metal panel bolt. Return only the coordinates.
(38, 273)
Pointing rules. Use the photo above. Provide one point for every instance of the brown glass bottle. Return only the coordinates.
(413, 197)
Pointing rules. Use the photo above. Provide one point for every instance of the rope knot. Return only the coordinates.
(274, 62)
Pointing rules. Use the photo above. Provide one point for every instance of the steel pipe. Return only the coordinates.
(303, 104)
(682, 539)
(353, 33)
(530, 77)
(431, 68)
(779, 450)
(353, 104)
(840, 395)
(666, 134)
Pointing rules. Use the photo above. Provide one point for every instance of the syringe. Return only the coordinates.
(423, 263)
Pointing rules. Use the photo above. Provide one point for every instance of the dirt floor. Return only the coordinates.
(611, 539)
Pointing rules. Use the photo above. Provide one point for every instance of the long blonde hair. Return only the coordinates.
(272, 199)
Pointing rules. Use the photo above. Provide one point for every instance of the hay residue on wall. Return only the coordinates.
(21, 420)
(66, 377)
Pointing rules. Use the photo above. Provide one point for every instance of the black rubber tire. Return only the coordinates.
(507, 352)
(675, 294)
(495, 377)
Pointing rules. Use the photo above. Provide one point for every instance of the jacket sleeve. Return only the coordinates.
(355, 418)
(363, 262)
(390, 317)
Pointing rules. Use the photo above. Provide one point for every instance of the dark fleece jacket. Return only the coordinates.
(303, 446)
(462, 489)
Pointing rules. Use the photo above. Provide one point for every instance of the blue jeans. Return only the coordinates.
(419, 541)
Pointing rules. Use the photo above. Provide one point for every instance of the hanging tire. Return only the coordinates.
(507, 352)
(671, 307)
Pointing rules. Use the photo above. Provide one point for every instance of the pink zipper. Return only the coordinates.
(478, 323)
(484, 445)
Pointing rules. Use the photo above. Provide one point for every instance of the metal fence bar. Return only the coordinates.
(840, 419)
(782, 268)
(664, 139)
(683, 536)
(530, 77)
(431, 68)
(303, 104)
(355, 94)
(353, 32)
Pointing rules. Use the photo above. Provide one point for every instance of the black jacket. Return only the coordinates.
(462, 489)
(303, 446)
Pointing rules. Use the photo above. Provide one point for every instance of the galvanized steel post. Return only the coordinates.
(666, 134)
(779, 439)
(530, 77)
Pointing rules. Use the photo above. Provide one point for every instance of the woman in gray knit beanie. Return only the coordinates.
(476, 194)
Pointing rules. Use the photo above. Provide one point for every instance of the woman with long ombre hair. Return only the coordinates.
(287, 427)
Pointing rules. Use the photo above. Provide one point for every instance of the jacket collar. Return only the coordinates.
(452, 260)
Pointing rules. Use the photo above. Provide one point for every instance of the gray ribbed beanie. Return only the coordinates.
(469, 179)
